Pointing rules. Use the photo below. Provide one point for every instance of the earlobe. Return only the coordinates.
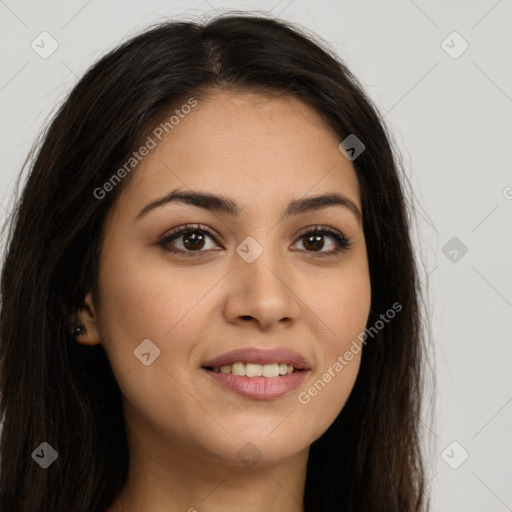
(84, 329)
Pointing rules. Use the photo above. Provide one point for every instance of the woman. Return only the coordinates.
(210, 299)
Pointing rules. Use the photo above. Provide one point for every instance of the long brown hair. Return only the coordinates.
(58, 391)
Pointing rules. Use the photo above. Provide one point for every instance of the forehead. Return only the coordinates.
(248, 146)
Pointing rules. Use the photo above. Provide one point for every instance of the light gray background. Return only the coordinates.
(452, 120)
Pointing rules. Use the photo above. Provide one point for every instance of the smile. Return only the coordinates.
(256, 370)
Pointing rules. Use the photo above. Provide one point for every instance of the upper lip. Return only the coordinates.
(260, 356)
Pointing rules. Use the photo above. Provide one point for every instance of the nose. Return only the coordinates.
(262, 292)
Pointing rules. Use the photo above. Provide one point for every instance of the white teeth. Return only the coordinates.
(238, 369)
(256, 370)
(271, 370)
(253, 370)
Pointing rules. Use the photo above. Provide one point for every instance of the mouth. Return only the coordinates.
(258, 374)
(252, 370)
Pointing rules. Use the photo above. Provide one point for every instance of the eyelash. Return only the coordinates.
(343, 243)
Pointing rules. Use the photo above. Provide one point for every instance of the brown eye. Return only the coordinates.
(188, 240)
(193, 241)
(314, 241)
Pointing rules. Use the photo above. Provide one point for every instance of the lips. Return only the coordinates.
(256, 387)
(259, 356)
(259, 388)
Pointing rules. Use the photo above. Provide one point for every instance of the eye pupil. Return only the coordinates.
(316, 242)
(197, 240)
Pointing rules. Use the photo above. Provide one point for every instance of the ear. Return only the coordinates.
(87, 317)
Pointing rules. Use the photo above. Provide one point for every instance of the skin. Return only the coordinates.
(184, 432)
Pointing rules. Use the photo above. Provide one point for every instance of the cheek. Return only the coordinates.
(150, 299)
(323, 398)
(171, 307)
(340, 303)
(324, 395)
(145, 301)
(341, 308)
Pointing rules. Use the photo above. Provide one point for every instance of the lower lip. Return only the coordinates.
(259, 388)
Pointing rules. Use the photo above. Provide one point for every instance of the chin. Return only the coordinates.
(251, 447)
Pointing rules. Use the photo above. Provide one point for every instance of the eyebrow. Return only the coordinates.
(221, 204)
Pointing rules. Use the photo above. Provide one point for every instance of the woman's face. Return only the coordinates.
(256, 282)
